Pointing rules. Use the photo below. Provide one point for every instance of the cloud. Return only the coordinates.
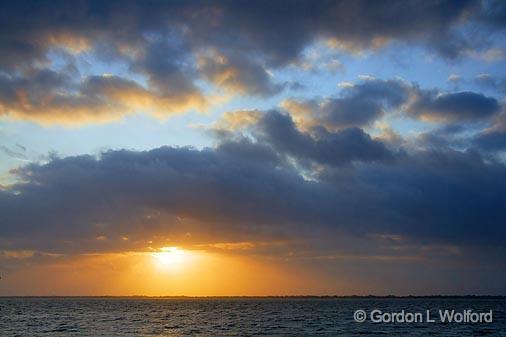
(360, 24)
(431, 105)
(263, 26)
(249, 191)
(494, 138)
(362, 104)
(168, 74)
(490, 82)
(454, 78)
(490, 55)
(330, 148)
(237, 74)
(493, 13)
(52, 97)
(266, 181)
(492, 141)
(166, 184)
(15, 154)
(450, 136)
(310, 173)
(230, 44)
(234, 120)
(358, 105)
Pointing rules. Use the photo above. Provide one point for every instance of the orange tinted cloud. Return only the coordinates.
(234, 120)
(47, 99)
(237, 74)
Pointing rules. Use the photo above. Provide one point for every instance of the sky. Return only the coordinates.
(210, 148)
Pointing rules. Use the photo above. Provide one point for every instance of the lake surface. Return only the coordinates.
(237, 317)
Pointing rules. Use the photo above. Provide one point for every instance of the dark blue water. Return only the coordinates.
(236, 317)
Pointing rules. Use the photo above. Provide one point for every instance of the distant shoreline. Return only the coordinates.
(270, 297)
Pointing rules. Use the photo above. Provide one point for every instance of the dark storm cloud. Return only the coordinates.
(494, 13)
(454, 194)
(162, 192)
(248, 189)
(449, 107)
(447, 136)
(492, 141)
(331, 148)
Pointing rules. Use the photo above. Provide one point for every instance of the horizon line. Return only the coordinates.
(260, 296)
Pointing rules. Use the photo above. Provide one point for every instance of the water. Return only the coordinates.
(234, 317)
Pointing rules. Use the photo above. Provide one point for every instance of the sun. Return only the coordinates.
(170, 257)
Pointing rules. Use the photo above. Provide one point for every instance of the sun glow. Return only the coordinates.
(171, 258)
